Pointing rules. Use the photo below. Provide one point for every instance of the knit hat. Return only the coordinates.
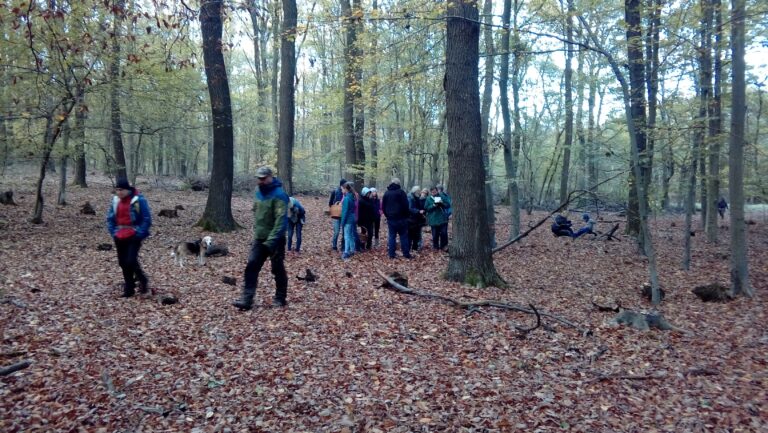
(373, 189)
(342, 182)
(263, 172)
(122, 183)
(585, 217)
(365, 191)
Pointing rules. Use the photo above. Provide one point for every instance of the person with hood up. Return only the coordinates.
(128, 221)
(269, 222)
(394, 204)
(296, 215)
(336, 196)
(366, 216)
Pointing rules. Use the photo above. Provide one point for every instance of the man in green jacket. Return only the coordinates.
(270, 219)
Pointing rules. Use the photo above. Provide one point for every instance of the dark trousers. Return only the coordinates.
(414, 235)
(398, 227)
(439, 236)
(294, 226)
(376, 228)
(259, 254)
(128, 258)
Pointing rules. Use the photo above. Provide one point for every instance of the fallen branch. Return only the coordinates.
(5, 371)
(393, 285)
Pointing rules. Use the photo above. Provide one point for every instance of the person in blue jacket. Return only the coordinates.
(128, 221)
(296, 215)
(348, 220)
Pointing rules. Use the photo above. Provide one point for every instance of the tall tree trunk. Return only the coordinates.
(287, 95)
(275, 64)
(739, 263)
(652, 82)
(348, 110)
(568, 85)
(114, 75)
(217, 216)
(53, 122)
(509, 161)
(62, 198)
(260, 34)
(517, 136)
(592, 164)
(470, 251)
(705, 99)
(485, 114)
(714, 130)
(81, 113)
(689, 172)
(638, 118)
(359, 103)
(373, 112)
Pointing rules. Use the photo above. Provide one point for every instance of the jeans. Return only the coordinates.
(582, 231)
(439, 236)
(259, 254)
(398, 227)
(336, 230)
(349, 240)
(128, 259)
(297, 226)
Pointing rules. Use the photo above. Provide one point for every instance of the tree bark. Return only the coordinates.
(348, 109)
(485, 114)
(62, 198)
(470, 261)
(504, 102)
(714, 130)
(120, 168)
(568, 89)
(739, 264)
(81, 113)
(217, 216)
(359, 103)
(287, 95)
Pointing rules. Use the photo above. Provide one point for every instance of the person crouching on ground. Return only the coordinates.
(128, 221)
(270, 219)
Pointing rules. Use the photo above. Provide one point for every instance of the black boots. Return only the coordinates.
(243, 304)
(279, 303)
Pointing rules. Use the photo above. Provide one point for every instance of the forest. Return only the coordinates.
(644, 115)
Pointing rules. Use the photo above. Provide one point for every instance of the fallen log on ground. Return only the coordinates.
(5, 371)
(393, 285)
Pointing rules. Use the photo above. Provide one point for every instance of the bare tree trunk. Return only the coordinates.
(504, 101)
(690, 203)
(739, 262)
(372, 107)
(217, 216)
(275, 64)
(287, 95)
(348, 110)
(715, 122)
(517, 136)
(485, 114)
(62, 198)
(79, 137)
(114, 75)
(470, 251)
(568, 88)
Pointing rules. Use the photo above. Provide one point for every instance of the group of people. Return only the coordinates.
(562, 226)
(406, 215)
(277, 217)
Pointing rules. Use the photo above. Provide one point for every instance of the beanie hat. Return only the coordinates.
(365, 191)
(585, 217)
(122, 183)
(342, 182)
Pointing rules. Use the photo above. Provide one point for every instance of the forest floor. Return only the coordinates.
(350, 356)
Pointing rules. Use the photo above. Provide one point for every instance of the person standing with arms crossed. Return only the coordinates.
(270, 209)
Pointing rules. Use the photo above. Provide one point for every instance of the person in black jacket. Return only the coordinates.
(417, 218)
(366, 217)
(395, 207)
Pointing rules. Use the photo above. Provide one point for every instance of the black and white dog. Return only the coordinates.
(194, 249)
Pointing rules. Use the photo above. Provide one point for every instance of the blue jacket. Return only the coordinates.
(296, 212)
(141, 215)
(348, 209)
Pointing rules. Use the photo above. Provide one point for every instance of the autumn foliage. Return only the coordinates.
(350, 355)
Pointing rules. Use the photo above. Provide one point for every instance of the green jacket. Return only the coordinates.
(436, 212)
(270, 213)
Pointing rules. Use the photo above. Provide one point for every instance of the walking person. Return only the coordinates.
(437, 207)
(722, 205)
(395, 207)
(335, 199)
(128, 221)
(296, 215)
(269, 222)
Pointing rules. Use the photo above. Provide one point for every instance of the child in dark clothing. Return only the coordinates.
(562, 226)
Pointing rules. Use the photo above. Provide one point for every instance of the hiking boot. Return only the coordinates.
(143, 287)
(279, 303)
(127, 293)
(243, 305)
